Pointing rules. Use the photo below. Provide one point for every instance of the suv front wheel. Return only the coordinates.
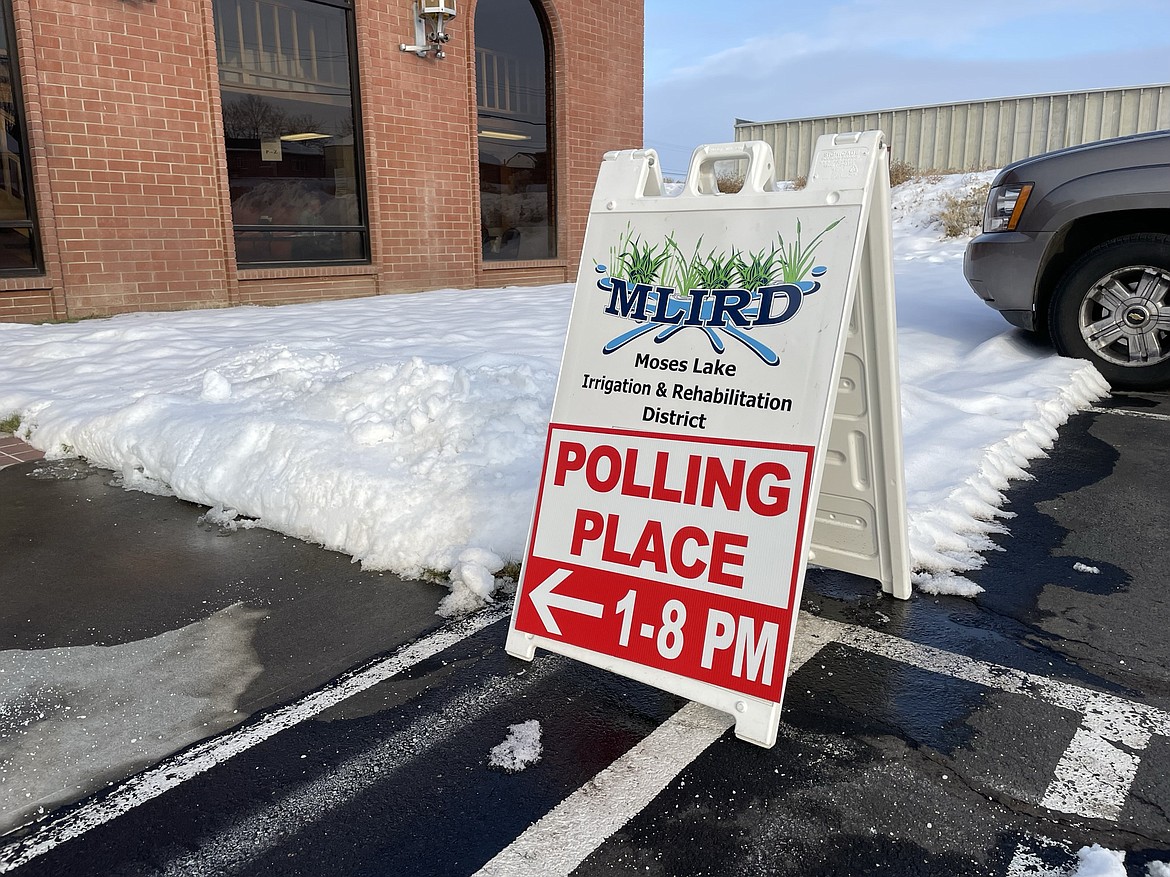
(1112, 307)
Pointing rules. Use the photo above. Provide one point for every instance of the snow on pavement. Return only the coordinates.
(407, 431)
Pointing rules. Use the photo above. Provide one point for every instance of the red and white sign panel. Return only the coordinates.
(675, 552)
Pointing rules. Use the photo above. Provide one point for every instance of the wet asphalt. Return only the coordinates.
(884, 765)
(118, 603)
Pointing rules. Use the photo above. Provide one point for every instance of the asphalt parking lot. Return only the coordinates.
(942, 735)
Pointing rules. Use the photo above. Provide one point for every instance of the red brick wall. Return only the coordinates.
(26, 307)
(292, 290)
(527, 274)
(420, 144)
(124, 107)
(122, 101)
(599, 107)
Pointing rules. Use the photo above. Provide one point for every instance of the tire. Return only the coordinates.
(1112, 307)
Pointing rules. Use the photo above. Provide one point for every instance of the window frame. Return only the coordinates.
(360, 185)
(31, 222)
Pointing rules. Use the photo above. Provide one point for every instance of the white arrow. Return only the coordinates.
(545, 601)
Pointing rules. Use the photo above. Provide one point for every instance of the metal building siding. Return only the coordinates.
(976, 134)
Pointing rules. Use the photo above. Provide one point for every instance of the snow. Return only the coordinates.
(1085, 568)
(1091, 861)
(1096, 861)
(520, 749)
(407, 431)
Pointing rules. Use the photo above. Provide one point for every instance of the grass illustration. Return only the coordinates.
(637, 262)
(757, 269)
(796, 258)
(668, 265)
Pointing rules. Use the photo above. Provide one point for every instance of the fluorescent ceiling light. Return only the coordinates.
(308, 135)
(503, 135)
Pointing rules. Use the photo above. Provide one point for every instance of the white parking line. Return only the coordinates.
(1099, 766)
(300, 807)
(1126, 412)
(1094, 776)
(561, 840)
(178, 769)
(1092, 779)
(1028, 861)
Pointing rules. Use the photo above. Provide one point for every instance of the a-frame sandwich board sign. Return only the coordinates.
(730, 364)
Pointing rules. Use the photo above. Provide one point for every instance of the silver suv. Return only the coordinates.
(1076, 246)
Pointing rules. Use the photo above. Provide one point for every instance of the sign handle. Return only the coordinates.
(634, 171)
(759, 177)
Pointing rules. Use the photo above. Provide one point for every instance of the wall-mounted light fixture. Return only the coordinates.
(430, 19)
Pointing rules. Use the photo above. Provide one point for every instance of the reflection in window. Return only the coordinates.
(285, 72)
(19, 250)
(517, 216)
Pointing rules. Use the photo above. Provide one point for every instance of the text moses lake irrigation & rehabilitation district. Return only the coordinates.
(733, 396)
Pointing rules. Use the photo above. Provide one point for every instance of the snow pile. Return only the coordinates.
(520, 749)
(916, 205)
(979, 400)
(407, 431)
(389, 428)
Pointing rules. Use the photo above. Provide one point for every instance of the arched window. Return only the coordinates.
(513, 90)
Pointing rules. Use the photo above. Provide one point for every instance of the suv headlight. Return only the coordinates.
(1005, 204)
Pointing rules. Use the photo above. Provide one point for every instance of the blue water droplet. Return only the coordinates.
(819, 270)
(600, 269)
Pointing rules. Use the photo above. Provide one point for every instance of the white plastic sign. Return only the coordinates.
(694, 415)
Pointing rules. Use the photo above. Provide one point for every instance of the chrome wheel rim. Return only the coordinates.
(1125, 316)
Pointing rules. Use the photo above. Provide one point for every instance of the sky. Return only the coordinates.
(709, 63)
(408, 431)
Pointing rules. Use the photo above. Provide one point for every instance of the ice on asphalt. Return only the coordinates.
(407, 430)
(77, 717)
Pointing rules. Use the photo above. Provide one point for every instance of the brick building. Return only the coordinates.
(165, 154)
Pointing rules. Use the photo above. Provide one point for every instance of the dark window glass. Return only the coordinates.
(513, 93)
(290, 127)
(19, 249)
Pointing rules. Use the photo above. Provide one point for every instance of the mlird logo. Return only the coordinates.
(722, 294)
